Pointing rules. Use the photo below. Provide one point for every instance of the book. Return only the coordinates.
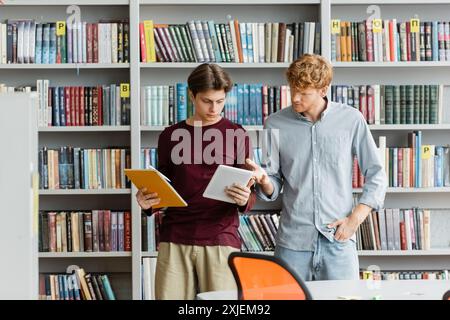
(155, 181)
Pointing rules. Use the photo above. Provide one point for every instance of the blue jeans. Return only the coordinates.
(330, 261)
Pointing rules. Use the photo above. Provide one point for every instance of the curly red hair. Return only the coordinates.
(309, 71)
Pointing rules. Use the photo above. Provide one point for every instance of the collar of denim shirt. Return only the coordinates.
(322, 115)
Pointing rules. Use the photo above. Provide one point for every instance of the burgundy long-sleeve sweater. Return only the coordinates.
(204, 221)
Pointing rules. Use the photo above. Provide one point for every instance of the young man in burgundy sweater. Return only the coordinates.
(195, 241)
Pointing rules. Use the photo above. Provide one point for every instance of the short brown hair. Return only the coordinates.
(309, 71)
(209, 76)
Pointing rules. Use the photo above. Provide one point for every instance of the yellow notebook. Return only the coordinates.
(154, 181)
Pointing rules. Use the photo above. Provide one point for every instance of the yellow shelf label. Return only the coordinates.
(335, 26)
(426, 152)
(124, 90)
(377, 25)
(415, 25)
(60, 28)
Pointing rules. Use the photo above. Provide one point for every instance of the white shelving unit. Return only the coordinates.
(228, 65)
(400, 64)
(135, 136)
(18, 193)
(409, 127)
(373, 127)
(84, 254)
(412, 190)
(395, 253)
(372, 253)
(434, 72)
(227, 2)
(78, 74)
(86, 129)
(66, 2)
(61, 192)
(148, 254)
(388, 2)
(66, 66)
(219, 11)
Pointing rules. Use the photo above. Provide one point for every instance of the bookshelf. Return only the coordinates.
(373, 127)
(220, 12)
(66, 66)
(396, 73)
(83, 192)
(68, 3)
(399, 64)
(127, 266)
(389, 253)
(228, 65)
(78, 74)
(86, 129)
(84, 254)
(394, 253)
(412, 190)
(19, 270)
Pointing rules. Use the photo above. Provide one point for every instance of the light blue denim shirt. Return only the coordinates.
(312, 162)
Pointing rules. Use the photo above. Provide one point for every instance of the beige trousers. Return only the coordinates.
(182, 271)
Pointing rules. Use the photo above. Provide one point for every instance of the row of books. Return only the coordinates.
(91, 231)
(61, 106)
(77, 286)
(245, 42)
(151, 225)
(149, 158)
(251, 104)
(258, 231)
(386, 229)
(393, 104)
(246, 104)
(395, 229)
(28, 41)
(82, 106)
(162, 106)
(434, 166)
(390, 40)
(357, 175)
(80, 168)
(418, 165)
(403, 168)
(404, 275)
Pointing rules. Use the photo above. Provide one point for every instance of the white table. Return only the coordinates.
(361, 290)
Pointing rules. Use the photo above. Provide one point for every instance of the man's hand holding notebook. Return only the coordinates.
(154, 186)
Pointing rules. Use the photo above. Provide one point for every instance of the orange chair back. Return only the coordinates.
(262, 277)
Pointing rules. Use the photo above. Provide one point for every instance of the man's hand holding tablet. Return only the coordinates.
(230, 184)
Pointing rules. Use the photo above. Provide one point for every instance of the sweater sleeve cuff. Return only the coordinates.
(148, 212)
(250, 203)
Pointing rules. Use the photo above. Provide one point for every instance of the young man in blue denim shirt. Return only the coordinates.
(314, 141)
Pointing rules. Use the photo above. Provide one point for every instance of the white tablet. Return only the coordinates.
(226, 176)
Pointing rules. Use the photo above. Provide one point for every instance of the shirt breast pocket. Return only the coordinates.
(334, 149)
